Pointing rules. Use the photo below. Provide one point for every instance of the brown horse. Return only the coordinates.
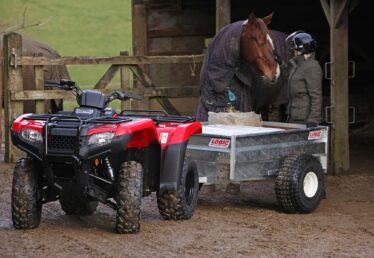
(267, 97)
(239, 57)
(257, 47)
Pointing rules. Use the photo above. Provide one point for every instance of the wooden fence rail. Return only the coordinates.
(14, 95)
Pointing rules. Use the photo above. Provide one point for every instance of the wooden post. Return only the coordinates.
(337, 15)
(125, 82)
(223, 13)
(39, 85)
(139, 28)
(12, 81)
(1, 100)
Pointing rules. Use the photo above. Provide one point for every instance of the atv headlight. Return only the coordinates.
(100, 138)
(31, 135)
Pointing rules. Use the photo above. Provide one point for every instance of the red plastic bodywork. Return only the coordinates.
(20, 123)
(176, 132)
(143, 131)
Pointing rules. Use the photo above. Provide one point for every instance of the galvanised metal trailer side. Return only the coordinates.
(294, 155)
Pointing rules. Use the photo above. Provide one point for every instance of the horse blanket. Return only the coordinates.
(225, 77)
(227, 80)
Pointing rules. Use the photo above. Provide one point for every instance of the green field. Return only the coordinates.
(76, 28)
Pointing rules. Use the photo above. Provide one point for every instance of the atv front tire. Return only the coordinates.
(26, 195)
(181, 203)
(299, 186)
(128, 197)
(78, 207)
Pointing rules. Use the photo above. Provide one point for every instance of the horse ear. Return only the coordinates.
(268, 18)
(252, 18)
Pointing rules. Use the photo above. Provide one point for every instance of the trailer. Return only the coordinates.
(295, 156)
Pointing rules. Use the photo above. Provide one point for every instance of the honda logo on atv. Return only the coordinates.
(314, 135)
(221, 143)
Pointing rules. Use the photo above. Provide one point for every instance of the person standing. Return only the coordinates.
(304, 81)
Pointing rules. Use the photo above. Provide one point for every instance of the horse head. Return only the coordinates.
(257, 47)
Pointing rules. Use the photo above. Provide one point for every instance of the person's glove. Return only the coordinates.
(311, 124)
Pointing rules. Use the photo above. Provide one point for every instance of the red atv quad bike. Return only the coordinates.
(92, 154)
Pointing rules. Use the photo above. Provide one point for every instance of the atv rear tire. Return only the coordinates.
(26, 195)
(181, 203)
(78, 207)
(128, 197)
(299, 186)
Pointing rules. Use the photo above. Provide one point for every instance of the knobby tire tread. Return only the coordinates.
(129, 194)
(26, 195)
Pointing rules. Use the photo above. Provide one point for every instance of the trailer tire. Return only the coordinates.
(26, 195)
(128, 197)
(78, 207)
(181, 203)
(299, 186)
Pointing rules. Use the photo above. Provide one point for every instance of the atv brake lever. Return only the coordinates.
(131, 95)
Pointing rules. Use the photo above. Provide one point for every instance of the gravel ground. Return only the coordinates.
(244, 224)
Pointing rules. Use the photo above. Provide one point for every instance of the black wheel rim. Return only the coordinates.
(190, 187)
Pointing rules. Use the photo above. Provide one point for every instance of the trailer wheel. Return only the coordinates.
(78, 207)
(299, 186)
(26, 195)
(181, 204)
(128, 197)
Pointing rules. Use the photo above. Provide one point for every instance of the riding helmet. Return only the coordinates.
(301, 41)
(289, 42)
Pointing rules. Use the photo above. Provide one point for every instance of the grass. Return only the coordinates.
(76, 28)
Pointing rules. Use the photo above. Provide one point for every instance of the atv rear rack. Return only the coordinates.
(163, 117)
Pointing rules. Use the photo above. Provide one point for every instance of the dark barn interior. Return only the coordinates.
(183, 27)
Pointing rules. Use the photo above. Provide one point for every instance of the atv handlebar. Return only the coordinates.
(71, 86)
(64, 85)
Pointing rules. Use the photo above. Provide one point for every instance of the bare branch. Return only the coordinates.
(23, 25)
(24, 16)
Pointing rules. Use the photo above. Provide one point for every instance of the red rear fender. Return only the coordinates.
(184, 132)
(179, 134)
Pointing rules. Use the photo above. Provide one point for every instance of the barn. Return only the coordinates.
(183, 27)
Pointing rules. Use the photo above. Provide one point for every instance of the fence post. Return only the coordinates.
(12, 81)
(125, 82)
(39, 85)
(140, 43)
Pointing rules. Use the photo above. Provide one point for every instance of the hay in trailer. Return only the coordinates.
(235, 118)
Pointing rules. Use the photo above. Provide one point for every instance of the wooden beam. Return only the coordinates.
(326, 10)
(179, 32)
(140, 46)
(339, 87)
(223, 13)
(107, 77)
(1, 94)
(340, 11)
(116, 60)
(126, 82)
(173, 92)
(39, 85)
(12, 81)
(147, 82)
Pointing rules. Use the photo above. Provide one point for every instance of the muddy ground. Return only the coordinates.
(245, 224)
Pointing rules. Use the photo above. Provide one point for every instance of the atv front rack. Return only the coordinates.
(64, 118)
